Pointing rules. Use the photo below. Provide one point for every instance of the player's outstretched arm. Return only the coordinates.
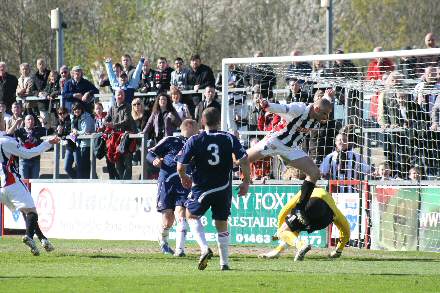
(13, 147)
(246, 170)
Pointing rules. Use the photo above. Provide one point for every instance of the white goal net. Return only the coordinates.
(379, 152)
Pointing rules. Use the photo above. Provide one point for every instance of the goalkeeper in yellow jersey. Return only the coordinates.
(321, 210)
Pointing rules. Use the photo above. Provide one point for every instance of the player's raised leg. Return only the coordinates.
(306, 165)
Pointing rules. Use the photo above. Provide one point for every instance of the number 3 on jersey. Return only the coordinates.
(213, 149)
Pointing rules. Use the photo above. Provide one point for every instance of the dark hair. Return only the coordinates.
(212, 116)
(178, 59)
(118, 65)
(162, 58)
(123, 74)
(195, 57)
(170, 107)
(77, 105)
(127, 56)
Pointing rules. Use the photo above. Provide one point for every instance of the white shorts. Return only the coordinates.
(272, 146)
(17, 196)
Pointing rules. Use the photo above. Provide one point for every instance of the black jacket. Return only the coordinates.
(8, 86)
(40, 80)
(203, 76)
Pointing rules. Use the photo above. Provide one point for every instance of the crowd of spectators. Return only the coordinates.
(416, 114)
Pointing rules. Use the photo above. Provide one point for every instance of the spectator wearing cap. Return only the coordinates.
(79, 89)
(123, 82)
(30, 136)
(8, 86)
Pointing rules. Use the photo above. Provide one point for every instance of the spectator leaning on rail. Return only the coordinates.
(25, 85)
(40, 78)
(64, 76)
(82, 123)
(123, 83)
(399, 110)
(429, 139)
(30, 136)
(179, 77)
(79, 89)
(162, 77)
(8, 86)
(140, 117)
(200, 76)
(119, 119)
(164, 119)
(51, 92)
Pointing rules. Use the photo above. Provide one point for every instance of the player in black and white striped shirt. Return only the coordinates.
(301, 119)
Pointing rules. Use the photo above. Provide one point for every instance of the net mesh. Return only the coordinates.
(384, 128)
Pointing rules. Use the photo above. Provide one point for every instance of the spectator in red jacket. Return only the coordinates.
(377, 68)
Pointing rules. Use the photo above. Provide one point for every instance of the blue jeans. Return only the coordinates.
(30, 169)
(70, 156)
(83, 163)
(81, 157)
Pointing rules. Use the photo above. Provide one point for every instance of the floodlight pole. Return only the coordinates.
(328, 5)
(56, 23)
(56, 20)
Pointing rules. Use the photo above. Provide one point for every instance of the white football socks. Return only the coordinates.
(223, 247)
(163, 235)
(180, 235)
(199, 233)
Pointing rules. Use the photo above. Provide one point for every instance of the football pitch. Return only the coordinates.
(137, 266)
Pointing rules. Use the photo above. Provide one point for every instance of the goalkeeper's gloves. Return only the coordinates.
(335, 253)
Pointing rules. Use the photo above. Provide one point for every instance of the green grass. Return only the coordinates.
(136, 266)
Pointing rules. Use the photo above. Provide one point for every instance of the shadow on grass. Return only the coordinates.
(104, 256)
(31, 277)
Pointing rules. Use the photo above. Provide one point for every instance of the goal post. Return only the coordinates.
(383, 135)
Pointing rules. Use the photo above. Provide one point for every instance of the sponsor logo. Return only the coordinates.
(46, 209)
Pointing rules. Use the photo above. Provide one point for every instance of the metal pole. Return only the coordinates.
(225, 100)
(60, 45)
(329, 18)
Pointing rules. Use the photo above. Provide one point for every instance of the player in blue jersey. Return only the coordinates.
(210, 154)
(171, 195)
